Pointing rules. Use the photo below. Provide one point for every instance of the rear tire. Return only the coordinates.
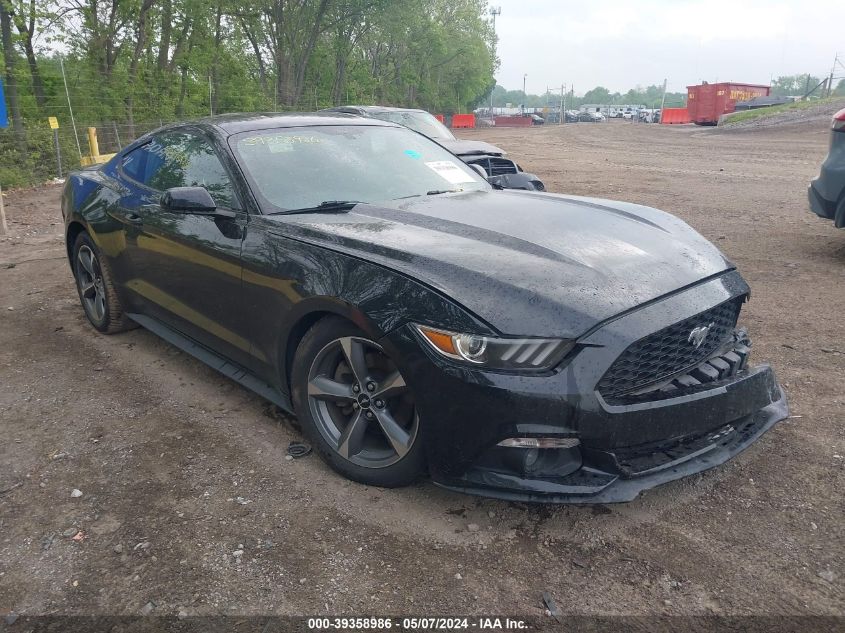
(355, 407)
(95, 285)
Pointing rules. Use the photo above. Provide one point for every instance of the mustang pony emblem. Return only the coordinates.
(697, 336)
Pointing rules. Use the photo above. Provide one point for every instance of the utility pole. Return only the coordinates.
(832, 71)
(70, 109)
(663, 101)
(524, 94)
(562, 104)
(494, 11)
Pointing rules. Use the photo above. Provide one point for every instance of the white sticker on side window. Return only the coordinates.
(449, 171)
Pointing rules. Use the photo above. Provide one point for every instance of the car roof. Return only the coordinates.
(247, 122)
(360, 108)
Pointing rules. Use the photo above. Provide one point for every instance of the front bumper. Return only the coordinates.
(610, 485)
(818, 204)
(520, 180)
(827, 190)
(624, 448)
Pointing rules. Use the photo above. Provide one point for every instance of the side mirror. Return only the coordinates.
(480, 170)
(195, 200)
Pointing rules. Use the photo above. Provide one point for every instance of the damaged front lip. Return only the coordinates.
(591, 485)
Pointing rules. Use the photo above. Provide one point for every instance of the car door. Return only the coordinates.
(186, 268)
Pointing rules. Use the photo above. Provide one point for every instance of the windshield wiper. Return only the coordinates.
(433, 192)
(327, 206)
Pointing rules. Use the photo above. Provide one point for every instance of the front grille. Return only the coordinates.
(669, 352)
(495, 166)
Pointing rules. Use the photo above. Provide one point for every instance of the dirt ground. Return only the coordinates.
(189, 506)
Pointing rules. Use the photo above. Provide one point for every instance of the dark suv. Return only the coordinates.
(827, 190)
(501, 172)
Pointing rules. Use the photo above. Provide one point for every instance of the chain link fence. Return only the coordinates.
(42, 154)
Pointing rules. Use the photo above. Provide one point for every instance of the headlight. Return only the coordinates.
(497, 353)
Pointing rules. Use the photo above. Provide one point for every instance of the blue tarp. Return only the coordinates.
(4, 119)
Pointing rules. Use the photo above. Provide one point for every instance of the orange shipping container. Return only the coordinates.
(707, 102)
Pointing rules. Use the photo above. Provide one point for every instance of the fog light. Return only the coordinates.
(529, 459)
(540, 442)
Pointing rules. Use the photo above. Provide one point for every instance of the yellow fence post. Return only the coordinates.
(94, 158)
(92, 144)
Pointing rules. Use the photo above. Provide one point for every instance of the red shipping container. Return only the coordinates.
(707, 102)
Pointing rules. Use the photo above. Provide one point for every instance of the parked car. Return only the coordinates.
(591, 117)
(536, 119)
(521, 345)
(572, 116)
(827, 190)
(501, 171)
(628, 115)
(649, 116)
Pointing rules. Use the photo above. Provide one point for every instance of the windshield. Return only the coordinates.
(421, 122)
(302, 167)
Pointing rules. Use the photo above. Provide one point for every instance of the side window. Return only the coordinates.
(141, 164)
(180, 159)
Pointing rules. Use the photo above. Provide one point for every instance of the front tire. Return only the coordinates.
(95, 285)
(355, 407)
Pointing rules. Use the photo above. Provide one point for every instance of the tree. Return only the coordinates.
(598, 95)
(794, 85)
(132, 64)
(9, 56)
(27, 16)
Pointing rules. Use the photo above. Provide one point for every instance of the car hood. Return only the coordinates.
(528, 264)
(461, 147)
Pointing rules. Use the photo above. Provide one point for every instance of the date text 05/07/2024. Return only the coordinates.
(417, 624)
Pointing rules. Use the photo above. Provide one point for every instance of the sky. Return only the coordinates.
(620, 44)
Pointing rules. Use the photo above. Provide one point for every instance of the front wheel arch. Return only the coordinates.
(73, 231)
(307, 315)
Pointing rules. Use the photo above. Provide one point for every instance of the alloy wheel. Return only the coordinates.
(92, 289)
(361, 404)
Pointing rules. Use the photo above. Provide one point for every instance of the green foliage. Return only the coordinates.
(650, 96)
(135, 64)
(794, 85)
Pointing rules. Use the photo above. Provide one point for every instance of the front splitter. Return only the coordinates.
(594, 487)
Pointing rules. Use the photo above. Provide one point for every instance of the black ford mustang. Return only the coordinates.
(515, 344)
